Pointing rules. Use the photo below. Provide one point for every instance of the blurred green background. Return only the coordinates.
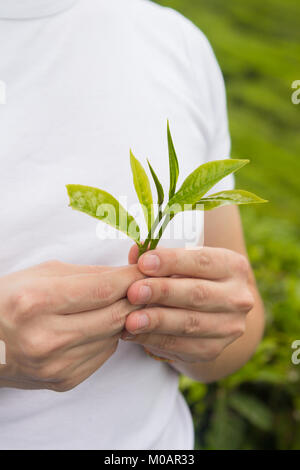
(258, 47)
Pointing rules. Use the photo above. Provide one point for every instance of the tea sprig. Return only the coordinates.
(190, 196)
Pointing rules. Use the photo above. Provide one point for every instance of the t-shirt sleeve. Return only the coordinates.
(207, 71)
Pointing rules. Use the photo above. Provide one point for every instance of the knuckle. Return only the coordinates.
(164, 290)
(156, 318)
(33, 347)
(174, 260)
(24, 301)
(117, 316)
(27, 302)
(103, 291)
(202, 260)
(170, 258)
(191, 323)
(199, 294)
(244, 302)
(38, 345)
(242, 265)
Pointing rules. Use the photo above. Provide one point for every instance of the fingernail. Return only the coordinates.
(151, 262)
(142, 321)
(145, 294)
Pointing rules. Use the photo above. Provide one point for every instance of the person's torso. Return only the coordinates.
(82, 88)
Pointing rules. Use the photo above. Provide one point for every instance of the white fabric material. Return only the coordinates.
(84, 86)
(22, 9)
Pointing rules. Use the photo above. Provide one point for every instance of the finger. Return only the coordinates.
(58, 268)
(194, 294)
(205, 263)
(190, 349)
(84, 351)
(62, 364)
(82, 372)
(167, 343)
(180, 322)
(98, 324)
(84, 292)
(133, 254)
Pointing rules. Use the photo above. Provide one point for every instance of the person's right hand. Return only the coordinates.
(61, 322)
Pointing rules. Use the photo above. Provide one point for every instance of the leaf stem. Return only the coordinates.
(167, 220)
(143, 248)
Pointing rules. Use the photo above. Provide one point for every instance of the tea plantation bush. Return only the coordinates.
(258, 46)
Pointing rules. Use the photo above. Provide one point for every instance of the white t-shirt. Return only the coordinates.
(85, 81)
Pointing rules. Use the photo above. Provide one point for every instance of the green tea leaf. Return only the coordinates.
(103, 206)
(173, 162)
(143, 189)
(224, 198)
(159, 188)
(202, 180)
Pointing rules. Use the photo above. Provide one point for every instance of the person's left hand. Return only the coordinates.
(196, 302)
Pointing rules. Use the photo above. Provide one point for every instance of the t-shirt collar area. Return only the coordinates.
(26, 9)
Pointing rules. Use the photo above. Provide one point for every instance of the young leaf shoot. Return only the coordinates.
(190, 196)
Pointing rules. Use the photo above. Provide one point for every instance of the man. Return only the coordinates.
(86, 80)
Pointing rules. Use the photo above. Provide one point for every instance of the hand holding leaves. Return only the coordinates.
(190, 196)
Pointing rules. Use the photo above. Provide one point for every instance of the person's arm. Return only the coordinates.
(210, 321)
